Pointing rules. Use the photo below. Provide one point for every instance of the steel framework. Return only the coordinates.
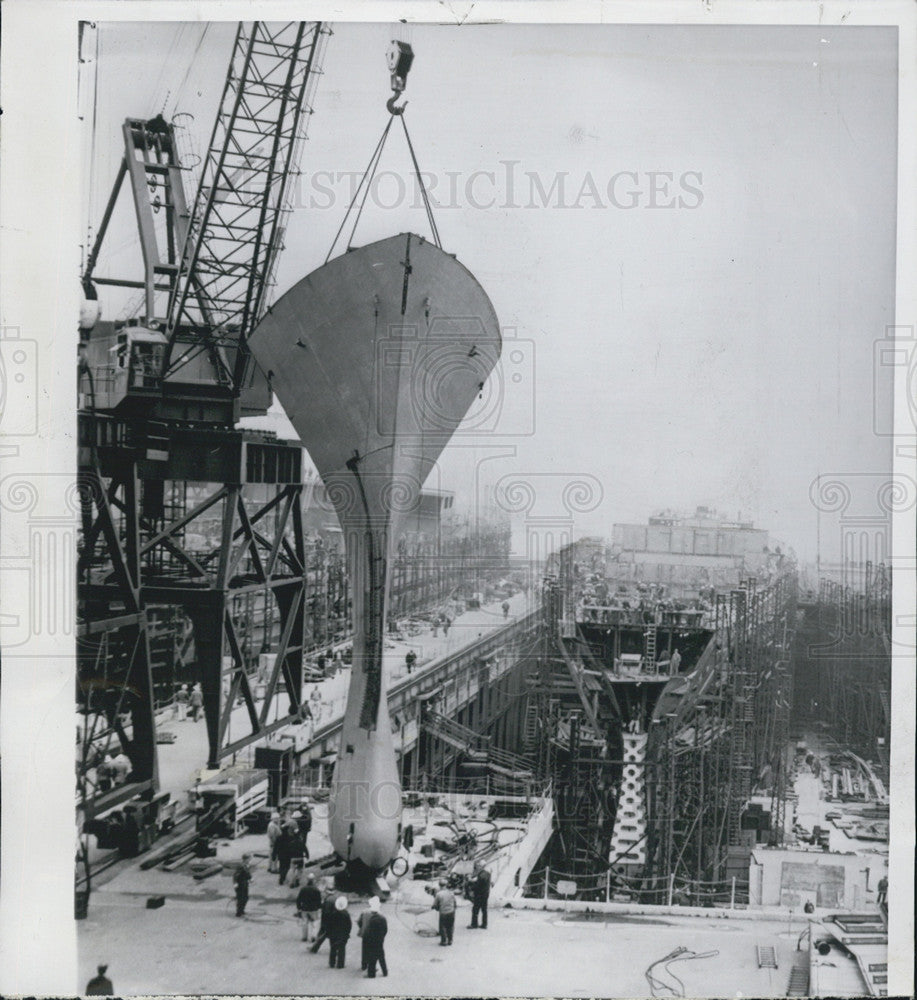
(724, 737)
(239, 216)
(844, 679)
(143, 438)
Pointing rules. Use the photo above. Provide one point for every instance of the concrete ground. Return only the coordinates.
(194, 944)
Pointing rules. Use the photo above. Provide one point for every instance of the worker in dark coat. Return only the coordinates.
(240, 880)
(480, 893)
(882, 898)
(374, 930)
(324, 926)
(289, 848)
(100, 985)
(339, 928)
(308, 908)
(362, 921)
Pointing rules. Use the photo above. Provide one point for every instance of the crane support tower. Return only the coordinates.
(184, 517)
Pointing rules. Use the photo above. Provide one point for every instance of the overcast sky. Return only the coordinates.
(689, 233)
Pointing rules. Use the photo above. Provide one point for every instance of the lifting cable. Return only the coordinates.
(362, 192)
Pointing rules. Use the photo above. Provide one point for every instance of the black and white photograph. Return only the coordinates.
(458, 474)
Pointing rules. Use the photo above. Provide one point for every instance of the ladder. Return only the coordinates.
(799, 980)
(530, 727)
(649, 649)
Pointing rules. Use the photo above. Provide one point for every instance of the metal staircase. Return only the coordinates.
(799, 979)
(475, 745)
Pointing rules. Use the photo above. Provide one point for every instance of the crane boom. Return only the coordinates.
(238, 219)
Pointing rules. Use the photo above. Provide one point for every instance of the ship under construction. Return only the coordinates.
(641, 704)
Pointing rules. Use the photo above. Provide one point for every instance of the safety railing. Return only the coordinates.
(615, 886)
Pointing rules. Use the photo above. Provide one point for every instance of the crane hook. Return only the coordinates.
(393, 109)
(400, 58)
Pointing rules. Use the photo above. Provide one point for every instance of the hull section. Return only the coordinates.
(376, 358)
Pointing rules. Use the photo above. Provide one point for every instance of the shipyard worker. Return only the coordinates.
(410, 659)
(374, 931)
(324, 925)
(100, 985)
(362, 921)
(104, 773)
(273, 835)
(289, 848)
(297, 845)
(196, 701)
(675, 662)
(505, 609)
(447, 621)
(309, 908)
(316, 698)
(480, 893)
(436, 626)
(181, 702)
(339, 927)
(240, 879)
(444, 902)
(882, 897)
(121, 766)
(304, 820)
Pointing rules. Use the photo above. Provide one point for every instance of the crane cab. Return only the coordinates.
(121, 368)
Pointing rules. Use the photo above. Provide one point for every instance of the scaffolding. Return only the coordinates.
(844, 652)
(723, 740)
(716, 732)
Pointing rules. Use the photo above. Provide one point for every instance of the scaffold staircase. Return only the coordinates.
(475, 746)
(799, 979)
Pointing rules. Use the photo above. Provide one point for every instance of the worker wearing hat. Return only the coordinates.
(240, 879)
(339, 928)
(375, 928)
(308, 908)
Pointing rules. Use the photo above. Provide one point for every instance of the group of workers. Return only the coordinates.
(336, 925)
(326, 917)
(288, 841)
(189, 701)
(444, 902)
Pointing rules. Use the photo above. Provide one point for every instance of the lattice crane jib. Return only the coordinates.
(238, 220)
